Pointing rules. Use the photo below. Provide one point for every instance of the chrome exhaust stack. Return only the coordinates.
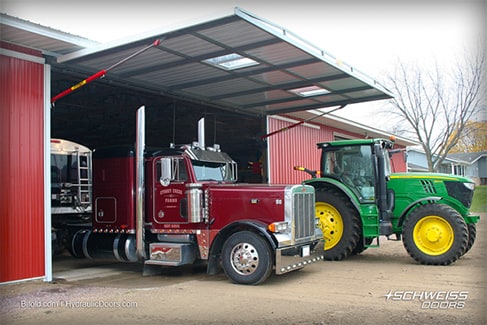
(201, 133)
(139, 183)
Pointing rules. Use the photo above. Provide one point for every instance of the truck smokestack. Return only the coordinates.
(139, 183)
(201, 133)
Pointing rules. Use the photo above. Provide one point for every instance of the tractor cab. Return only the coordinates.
(363, 168)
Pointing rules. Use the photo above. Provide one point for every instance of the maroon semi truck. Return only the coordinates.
(178, 206)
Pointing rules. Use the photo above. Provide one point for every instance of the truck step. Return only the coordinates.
(171, 254)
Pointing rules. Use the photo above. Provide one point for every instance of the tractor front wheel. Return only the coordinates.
(435, 234)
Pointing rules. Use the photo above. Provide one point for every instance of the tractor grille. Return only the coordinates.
(303, 215)
(460, 192)
(428, 186)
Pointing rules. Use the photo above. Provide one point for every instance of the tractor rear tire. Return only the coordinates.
(435, 234)
(361, 245)
(339, 222)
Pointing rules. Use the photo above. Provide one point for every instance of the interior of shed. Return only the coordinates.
(103, 114)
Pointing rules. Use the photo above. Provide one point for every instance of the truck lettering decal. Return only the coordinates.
(171, 191)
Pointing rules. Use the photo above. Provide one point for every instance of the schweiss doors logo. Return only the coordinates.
(431, 299)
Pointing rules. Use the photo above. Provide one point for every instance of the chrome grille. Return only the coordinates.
(303, 215)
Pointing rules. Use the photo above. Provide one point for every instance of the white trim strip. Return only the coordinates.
(20, 281)
(22, 56)
(287, 119)
(47, 175)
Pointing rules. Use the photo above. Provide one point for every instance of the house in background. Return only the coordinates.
(472, 165)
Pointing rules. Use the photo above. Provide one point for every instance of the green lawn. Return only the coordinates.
(479, 203)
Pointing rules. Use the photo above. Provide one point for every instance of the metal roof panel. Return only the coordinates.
(53, 42)
(280, 61)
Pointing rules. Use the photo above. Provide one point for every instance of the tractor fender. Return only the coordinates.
(410, 207)
(318, 183)
(217, 244)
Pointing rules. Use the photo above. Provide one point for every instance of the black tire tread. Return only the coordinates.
(351, 223)
(455, 220)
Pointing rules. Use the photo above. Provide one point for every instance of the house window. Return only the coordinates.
(459, 170)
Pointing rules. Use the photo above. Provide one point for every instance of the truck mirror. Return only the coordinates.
(166, 171)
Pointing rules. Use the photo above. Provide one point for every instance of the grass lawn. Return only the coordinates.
(479, 203)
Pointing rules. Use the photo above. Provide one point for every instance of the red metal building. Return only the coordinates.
(297, 146)
(22, 135)
(271, 84)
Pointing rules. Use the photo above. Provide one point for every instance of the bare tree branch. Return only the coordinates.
(437, 104)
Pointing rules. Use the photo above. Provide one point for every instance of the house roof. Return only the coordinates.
(316, 116)
(470, 157)
(460, 158)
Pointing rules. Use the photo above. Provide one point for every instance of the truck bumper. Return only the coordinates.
(292, 258)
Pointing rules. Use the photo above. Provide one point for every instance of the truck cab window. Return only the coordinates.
(179, 172)
(212, 171)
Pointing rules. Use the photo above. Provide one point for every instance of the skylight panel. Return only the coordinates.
(310, 91)
(231, 61)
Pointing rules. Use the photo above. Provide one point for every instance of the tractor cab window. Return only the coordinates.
(351, 165)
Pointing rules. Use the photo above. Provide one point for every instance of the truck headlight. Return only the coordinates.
(281, 227)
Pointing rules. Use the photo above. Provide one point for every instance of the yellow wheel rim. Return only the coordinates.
(330, 222)
(433, 235)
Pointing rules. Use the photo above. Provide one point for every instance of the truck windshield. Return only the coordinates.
(213, 171)
(351, 165)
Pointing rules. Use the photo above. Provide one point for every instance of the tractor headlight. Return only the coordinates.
(470, 186)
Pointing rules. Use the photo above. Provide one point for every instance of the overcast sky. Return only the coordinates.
(369, 35)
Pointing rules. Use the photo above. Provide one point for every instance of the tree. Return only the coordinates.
(437, 103)
(472, 139)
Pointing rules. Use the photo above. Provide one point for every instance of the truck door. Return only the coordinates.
(169, 204)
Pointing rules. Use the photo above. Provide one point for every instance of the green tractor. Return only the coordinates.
(358, 200)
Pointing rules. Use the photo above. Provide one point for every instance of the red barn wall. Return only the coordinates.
(297, 146)
(21, 164)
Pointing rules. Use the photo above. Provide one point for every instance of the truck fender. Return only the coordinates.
(224, 233)
(413, 204)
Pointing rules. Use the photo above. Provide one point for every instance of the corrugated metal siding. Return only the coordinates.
(297, 146)
(293, 147)
(398, 161)
(21, 169)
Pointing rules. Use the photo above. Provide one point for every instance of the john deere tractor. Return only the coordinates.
(358, 200)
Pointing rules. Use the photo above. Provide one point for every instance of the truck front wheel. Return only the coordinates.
(435, 234)
(339, 222)
(247, 258)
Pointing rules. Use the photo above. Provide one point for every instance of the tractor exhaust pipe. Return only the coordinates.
(139, 181)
